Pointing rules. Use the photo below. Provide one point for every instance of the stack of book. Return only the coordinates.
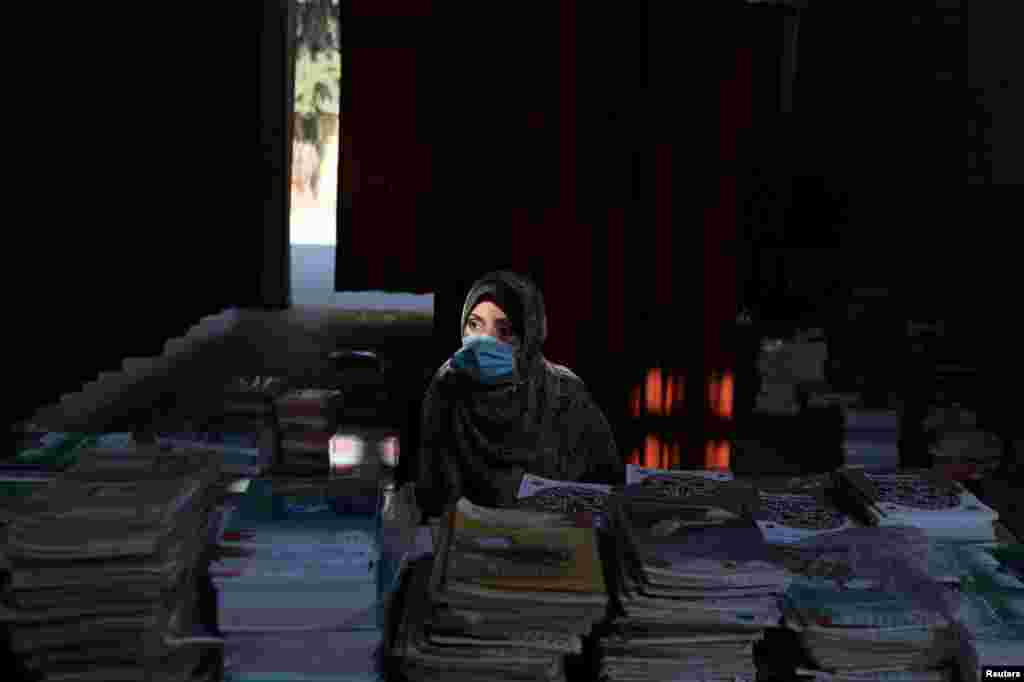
(104, 564)
(925, 499)
(860, 634)
(508, 596)
(308, 419)
(871, 439)
(297, 577)
(19, 481)
(992, 595)
(695, 584)
(42, 457)
(291, 559)
(864, 608)
(57, 451)
(243, 445)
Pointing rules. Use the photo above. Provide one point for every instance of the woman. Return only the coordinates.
(498, 408)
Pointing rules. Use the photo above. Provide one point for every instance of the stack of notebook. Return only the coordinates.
(866, 634)
(42, 457)
(243, 445)
(292, 558)
(104, 563)
(57, 451)
(19, 481)
(864, 608)
(871, 439)
(308, 419)
(508, 596)
(695, 585)
(923, 499)
(297, 577)
(993, 607)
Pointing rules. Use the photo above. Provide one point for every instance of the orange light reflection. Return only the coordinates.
(720, 395)
(716, 455)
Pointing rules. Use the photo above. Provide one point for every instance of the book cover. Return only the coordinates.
(636, 473)
(790, 517)
(923, 495)
(564, 497)
(576, 547)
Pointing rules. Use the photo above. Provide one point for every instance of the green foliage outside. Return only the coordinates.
(317, 64)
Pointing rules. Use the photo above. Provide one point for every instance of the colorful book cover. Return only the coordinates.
(575, 545)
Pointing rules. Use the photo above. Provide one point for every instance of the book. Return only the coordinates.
(564, 497)
(797, 509)
(923, 499)
(573, 548)
(636, 474)
(706, 497)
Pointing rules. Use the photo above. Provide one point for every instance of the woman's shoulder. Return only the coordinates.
(442, 373)
(567, 382)
(562, 372)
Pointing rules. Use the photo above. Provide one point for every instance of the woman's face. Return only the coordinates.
(490, 320)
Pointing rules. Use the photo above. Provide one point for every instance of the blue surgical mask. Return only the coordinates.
(486, 359)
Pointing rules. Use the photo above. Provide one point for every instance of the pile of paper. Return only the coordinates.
(694, 583)
(865, 608)
(923, 499)
(292, 558)
(104, 562)
(508, 596)
(871, 439)
(992, 595)
(308, 420)
(993, 610)
(295, 567)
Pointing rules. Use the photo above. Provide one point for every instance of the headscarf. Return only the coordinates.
(502, 424)
(478, 440)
